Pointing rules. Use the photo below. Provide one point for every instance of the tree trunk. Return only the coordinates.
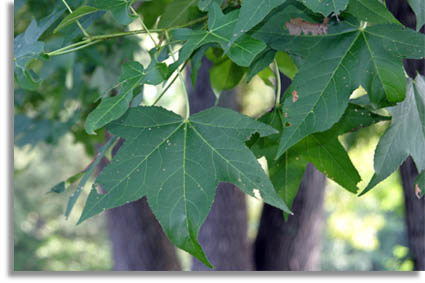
(295, 244)
(414, 208)
(223, 236)
(415, 214)
(137, 239)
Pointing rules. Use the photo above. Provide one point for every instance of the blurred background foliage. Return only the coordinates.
(366, 233)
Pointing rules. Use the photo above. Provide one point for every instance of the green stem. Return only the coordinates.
(78, 23)
(98, 38)
(58, 52)
(278, 83)
(168, 86)
(186, 95)
(144, 26)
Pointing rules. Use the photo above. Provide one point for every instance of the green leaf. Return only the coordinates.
(226, 75)
(325, 7)
(133, 75)
(59, 188)
(322, 149)
(420, 185)
(178, 12)
(418, 6)
(196, 62)
(252, 12)
(262, 61)
(204, 5)
(64, 185)
(336, 64)
(220, 26)
(118, 8)
(74, 16)
(404, 137)
(86, 175)
(371, 11)
(27, 48)
(286, 64)
(177, 164)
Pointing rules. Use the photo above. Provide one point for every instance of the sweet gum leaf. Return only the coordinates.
(177, 164)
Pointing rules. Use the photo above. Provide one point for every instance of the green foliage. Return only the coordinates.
(221, 26)
(225, 75)
(322, 149)
(178, 13)
(372, 11)
(133, 75)
(252, 12)
(27, 47)
(118, 8)
(418, 7)
(177, 163)
(325, 7)
(75, 15)
(405, 136)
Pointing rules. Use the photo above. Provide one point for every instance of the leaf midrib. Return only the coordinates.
(326, 86)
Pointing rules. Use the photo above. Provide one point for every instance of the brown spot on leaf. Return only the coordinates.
(417, 191)
(295, 96)
(297, 26)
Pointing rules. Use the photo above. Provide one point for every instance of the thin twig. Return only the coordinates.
(78, 22)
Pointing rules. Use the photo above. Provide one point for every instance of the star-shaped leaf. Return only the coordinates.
(177, 164)
(133, 75)
(322, 149)
(220, 30)
(336, 64)
(404, 137)
(27, 48)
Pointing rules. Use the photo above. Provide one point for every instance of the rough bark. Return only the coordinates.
(224, 233)
(414, 207)
(137, 239)
(295, 244)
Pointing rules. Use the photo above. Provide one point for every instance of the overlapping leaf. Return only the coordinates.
(118, 8)
(405, 136)
(325, 7)
(204, 5)
(322, 149)
(75, 15)
(252, 12)
(27, 48)
(178, 12)
(418, 6)
(178, 164)
(133, 75)
(220, 30)
(372, 11)
(336, 64)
